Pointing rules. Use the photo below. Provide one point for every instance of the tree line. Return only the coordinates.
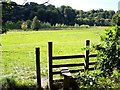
(50, 14)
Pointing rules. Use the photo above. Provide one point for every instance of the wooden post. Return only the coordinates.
(50, 73)
(87, 55)
(38, 68)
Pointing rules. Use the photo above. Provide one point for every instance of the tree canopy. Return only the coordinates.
(35, 24)
(60, 15)
(116, 19)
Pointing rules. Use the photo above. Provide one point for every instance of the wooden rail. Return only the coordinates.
(67, 65)
(86, 63)
(67, 57)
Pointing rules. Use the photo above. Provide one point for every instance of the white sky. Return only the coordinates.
(80, 4)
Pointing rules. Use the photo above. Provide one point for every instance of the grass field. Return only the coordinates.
(18, 48)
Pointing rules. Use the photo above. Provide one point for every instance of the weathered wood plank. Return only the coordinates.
(71, 71)
(91, 68)
(67, 57)
(92, 63)
(67, 65)
(93, 55)
(65, 71)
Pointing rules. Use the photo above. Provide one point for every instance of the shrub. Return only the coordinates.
(94, 80)
(57, 25)
(45, 25)
(64, 26)
(107, 73)
(76, 26)
(61, 26)
(84, 26)
(29, 22)
(109, 51)
(9, 24)
(24, 26)
(17, 25)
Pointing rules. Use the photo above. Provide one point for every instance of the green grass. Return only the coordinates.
(18, 49)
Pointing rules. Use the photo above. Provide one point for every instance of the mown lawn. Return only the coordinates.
(18, 49)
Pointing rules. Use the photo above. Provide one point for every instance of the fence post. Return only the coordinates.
(38, 68)
(87, 55)
(50, 73)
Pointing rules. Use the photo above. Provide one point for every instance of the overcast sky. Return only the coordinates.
(80, 4)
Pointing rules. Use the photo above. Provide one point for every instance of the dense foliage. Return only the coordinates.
(116, 19)
(107, 73)
(61, 15)
(109, 51)
(94, 80)
(5, 6)
(35, 24)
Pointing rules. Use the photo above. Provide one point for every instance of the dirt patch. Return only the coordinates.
(44, 81)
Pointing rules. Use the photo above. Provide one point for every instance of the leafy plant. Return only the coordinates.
(109, 51)
(95, 80)
(6, 5)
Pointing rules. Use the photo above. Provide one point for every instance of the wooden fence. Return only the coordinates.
(86, 63)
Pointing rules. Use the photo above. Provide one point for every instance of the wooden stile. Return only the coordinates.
(68, 73)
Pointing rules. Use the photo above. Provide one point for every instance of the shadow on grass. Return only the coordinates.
(11, 84)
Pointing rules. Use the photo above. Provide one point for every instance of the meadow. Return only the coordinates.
(18, 49)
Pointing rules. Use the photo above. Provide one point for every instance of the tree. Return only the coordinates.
(35, 24)
(69, 15)
(29, 22)
(9, 25)
(116, 19)
(61, 15)
(5, 6)
(24, 26)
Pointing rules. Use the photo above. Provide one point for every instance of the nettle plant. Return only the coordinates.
(109, 51)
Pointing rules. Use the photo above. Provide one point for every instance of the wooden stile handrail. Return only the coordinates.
(68, 57)
(93, 55)
(67, 65)
(92, 63)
